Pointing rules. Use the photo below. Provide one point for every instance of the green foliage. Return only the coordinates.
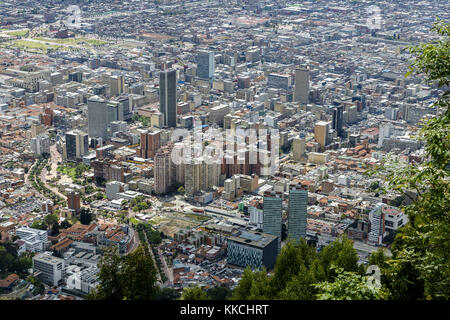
(348, 286)
(51, 219)
(55, 229)
(141, 206)
(11, 262)
(374, 185)
(433, 58)
(39, 286)
(398, 201)
(194, 293)
(252, 286)
(219, 293)
(153, 236)
(168, 294)
(145, 121)
(65, 224)
(419, 268)
(139, 276)
(298, 267)
(129, 278)
(341, 254)
(39, 224)
(85, 216)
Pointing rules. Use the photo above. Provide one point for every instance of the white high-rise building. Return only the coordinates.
(40, 144)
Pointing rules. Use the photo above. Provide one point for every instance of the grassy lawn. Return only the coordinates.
(196, 217)
(18, 33)
(67, 171)
(33, 45)
(71, 170)
(73, 41)
(157, 220)
(134, 221)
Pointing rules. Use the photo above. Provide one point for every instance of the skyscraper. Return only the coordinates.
(205, 65)
(337, 120)
(168, 97)
(117, 85)
(321, 130)
(298, 201)
(273, 209)
(298, 149)
(193, 177)
(301, 91)
(97, 117)
(77, 144)
(40, 144)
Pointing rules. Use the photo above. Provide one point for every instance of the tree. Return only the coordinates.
(341, 254)
(65, 224)
(348, 286)
(252, 286)
(55, 229)
(288, 265)
(85, 216)
(110, 277)
(129, 278)
(51, 219)
(194, 293)
(420, 252)
(39, 224)
(139, 276)
(219, 293)
(168, 294)
(374, 185)
(301, 286)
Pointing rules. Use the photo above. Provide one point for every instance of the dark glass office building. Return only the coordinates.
(254, 249)
(168, 97)
(337, 120)
(298, 202)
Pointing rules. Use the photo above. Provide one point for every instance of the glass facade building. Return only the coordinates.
(168, 97)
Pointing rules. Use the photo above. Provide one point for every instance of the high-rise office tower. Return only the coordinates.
(273, 209)
(298, 201)
(301, 91)
(205, 65)
(298, 149)
(124, 107)
(337, 120)
(117, 85)
(168, 97)
(77, 144)
(113, 111)
(321, 130)
(97, 117)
